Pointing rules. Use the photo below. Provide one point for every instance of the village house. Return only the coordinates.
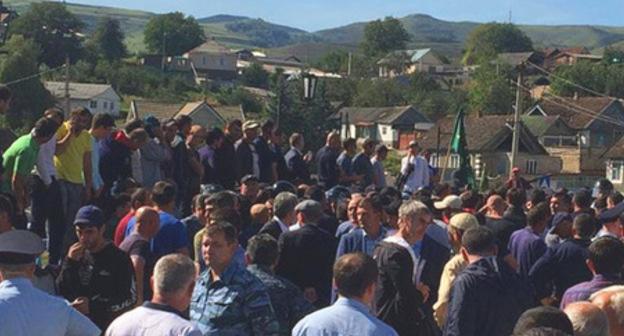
(98, 98)
(488, 140)
(614, 164)
(551, 54)
(394, 126)
(208, 61)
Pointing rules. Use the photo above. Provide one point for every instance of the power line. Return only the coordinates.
(23, 79)
(568, 81)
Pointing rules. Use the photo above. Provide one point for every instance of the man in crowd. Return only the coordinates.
(26, 310)
(606, 258)
(502, 228)
(139, 198)
(564, 265)
(458, 225)
(488, 296)
(526, 245)
(225, 156)
(352, 223)
(101, 127)
(196, 221)
(355, 276)
(73, 165)
(208, 156)
(172, 283)
(517, 181)
(247, 159)
(344, 161)
(400, 296)
(172, 236)
(283, 215)
(515, 211)
(612, 303)
(326, 157)
(19, 160)
(181, 161)
(296, 162)
(379, 175)
(136, 245)
(227, 299)
(362, 165)
(286, 298)
(278, 156)
(307, 255)
(415, 170)
(194, 141)
(154, 153)
(46, 203)
(265, 157)
(96, 275)
(371, 231)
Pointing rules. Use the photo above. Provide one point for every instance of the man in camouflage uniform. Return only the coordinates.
(287, 299)
(228, 300)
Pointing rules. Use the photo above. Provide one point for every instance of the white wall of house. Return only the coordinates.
(614, 171)
(386, 134)
(107, 102)
(210, 61)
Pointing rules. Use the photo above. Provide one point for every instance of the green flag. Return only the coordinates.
(484, 184)
(465, 174)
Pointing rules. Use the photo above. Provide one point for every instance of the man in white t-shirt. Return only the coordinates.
(416, 168)
(172, 283)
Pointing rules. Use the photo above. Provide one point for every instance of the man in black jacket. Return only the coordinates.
(400, 296)
(488, 297)
(96, 275)
(296, 162)
(247, 159)
(307, 255)
(225, 156)
(283, 215)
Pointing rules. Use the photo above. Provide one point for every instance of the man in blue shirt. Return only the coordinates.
(24, 309)
(371, 231)
(526, 245)
(326, 158)
(172, 236)
(355, 276)
(362, 165)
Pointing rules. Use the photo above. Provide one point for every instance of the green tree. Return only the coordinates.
(178, 33)
(30, 98)
(108, 40)
(613, 56)
(54, 28)
(381, 37)
(335, 61)
(380, 92)
(486, 41)
(255, 76)
(490, 91)
(590, 75)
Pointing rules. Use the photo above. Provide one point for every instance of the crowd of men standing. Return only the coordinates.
(165, 227)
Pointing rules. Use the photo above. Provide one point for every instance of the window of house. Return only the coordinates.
(433, 160)
(112, 105)
(384, 130)
(105, 105)
(531, 167)
(221, 61)
(614, 171)
(454, 161)
(93, 104)
(204, 61)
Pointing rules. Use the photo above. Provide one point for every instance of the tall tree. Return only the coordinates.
(108, 40)
(54, 28)
(30, 97)
(178, 33)
(490, 91)
(255, 76)
(488, 40)
(381, 37)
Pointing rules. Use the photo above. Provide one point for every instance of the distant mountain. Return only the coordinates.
(243, 32)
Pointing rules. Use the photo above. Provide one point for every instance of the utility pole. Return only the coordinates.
(164, 51)
(349, 64)
(67, 95)
(516, 125)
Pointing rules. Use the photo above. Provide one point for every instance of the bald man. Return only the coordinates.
(326, 161)
(138, 248)
(587, 319)
(503, 228)
(611, 301)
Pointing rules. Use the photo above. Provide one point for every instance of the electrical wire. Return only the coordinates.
(23, 79)
(567, 80)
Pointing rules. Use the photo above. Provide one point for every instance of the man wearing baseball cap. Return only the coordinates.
(24, 309)
(247, 159)
(96, 275)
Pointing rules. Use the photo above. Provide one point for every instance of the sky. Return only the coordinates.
(313, 15)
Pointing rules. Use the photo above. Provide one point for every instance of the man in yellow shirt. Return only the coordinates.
(72, 161)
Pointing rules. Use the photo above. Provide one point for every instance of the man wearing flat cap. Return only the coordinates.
(247, 159)
(96, 274)
(307, 255)
(24, 309)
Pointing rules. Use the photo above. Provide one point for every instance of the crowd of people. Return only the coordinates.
(165, 227)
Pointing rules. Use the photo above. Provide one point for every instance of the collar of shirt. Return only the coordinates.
(296, 150)
(227, 274)
(19, 283)
(261, 268)
(281, 224)
(382, 233)
(343, 301)
(165, 308)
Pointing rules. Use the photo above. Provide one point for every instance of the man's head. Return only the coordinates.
(296, 141)
(18, 250)
(89, 226)
(477, 243)
(582, 199)
(449, 205)
(196, 137)
(80, 119)
(199, 206)
(414, 217)
(184, 124)
(267, 129)
(355, 276)
(368, 146)
(536, 196)
(381, 151)
(214, 138)
(234, 129)
(164, 194)
(309, 212)
(352, 207)
(587, 319)
(138, 138)
(414, 148)
(54, 114)
(221, 201)
(516, 197)
(44, 130)
(583, 226)
(370, 214)
(169, 129)
(549, 317)
(495, 206)
(262, 250)
(140, 197)
(259, 214)
(249, 187)
(537, 217)
(333, 140)
(250, 130)
(349, 145)
(284, 207)
(560, 202)
(614, 199)
(147, 222)
(606, 256)
(219, 245)
(102, 125)
(612, 303)
(174, 280)
(5, 98)
(459, 224)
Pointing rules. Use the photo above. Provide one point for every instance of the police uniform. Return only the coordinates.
(235, 305)
(26, 310)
